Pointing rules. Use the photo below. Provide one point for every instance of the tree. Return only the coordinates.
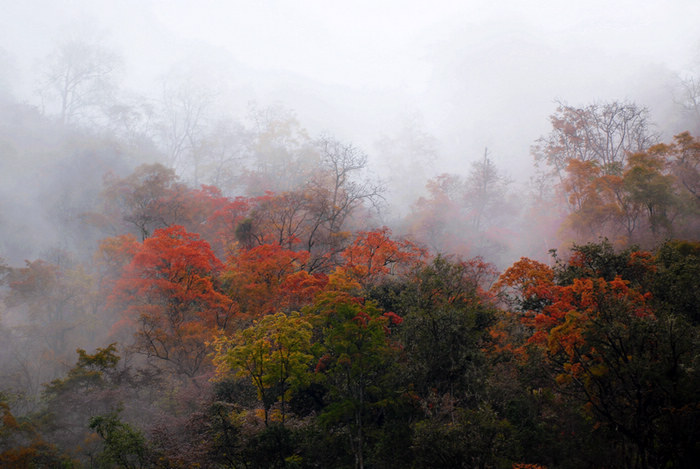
(487, 206)
(58, 304)
(485, 187)
(526, 286)
(685, 151)
(407, 159)
(446, 317)
(22, 446)
(604, 133)
(170, 295)
(613, 350)
(268, 278)
(221, 156)
(283, 155)
(149, 198)
(689, 99)
(185, 108)
(437, 220)
(648, 185)
(123, 445)
(81, 77)
(334, 195)
(274, 353)
(91, 387)
(627, 366)
(355, 356)
(676, 283)
(592, 199)
(374, 255)
(282, 219)
(465, 215)
(638, 204)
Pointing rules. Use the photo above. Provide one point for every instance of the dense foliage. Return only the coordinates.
(270, 322)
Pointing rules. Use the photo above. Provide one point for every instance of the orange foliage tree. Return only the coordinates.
(374, 254)
(170, 295)
(605, 344)
(269, 278)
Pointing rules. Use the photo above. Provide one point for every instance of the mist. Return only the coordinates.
(291, 136)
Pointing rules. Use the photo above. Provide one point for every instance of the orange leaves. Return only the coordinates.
(641, 195)
(587, 298)
(36, 279)
(526, 284)
(584, 322)
(216, 217)
(566, 309)
(174, 254)
(169, 290)
(300, 288)
(269, 278)
(116, 252)
(374, 254)
(578, 183)
(282, 219)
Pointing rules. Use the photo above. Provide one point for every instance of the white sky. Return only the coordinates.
(479, 72)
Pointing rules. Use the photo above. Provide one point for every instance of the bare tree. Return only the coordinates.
(689, 99)
(407, 160)
(81, 77)
(223, 151)
(336, 192)
(185, 111)
(485, 192)
(283, 155)
(603, 133)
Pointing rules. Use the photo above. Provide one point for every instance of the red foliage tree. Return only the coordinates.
(374, 254)
(269, 278)
(170, 295)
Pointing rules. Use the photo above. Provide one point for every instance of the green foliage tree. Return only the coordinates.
(22, 446)
(273, 353)
(124, 446)
(356, 354)
(625, 359)
(676, 284)
(90, 388)
(446, 321)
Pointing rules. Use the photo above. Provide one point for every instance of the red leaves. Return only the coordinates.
(393, 318)
(170, 291)
(374, 254)
(524, 281)
(268, 278)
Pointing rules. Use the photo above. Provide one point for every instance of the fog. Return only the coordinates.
(477, 73)
(258, 149)
(421, 89)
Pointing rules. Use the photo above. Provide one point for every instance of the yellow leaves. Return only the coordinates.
(344, 360)
(222, 362)
(563, 379)
(273, 353)
(260, 414)
(343, 280)
(598, 370)
(8, 420)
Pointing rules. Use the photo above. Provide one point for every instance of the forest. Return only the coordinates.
(181, 289)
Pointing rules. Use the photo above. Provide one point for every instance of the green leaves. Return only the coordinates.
(273, 353)
(123, 445)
